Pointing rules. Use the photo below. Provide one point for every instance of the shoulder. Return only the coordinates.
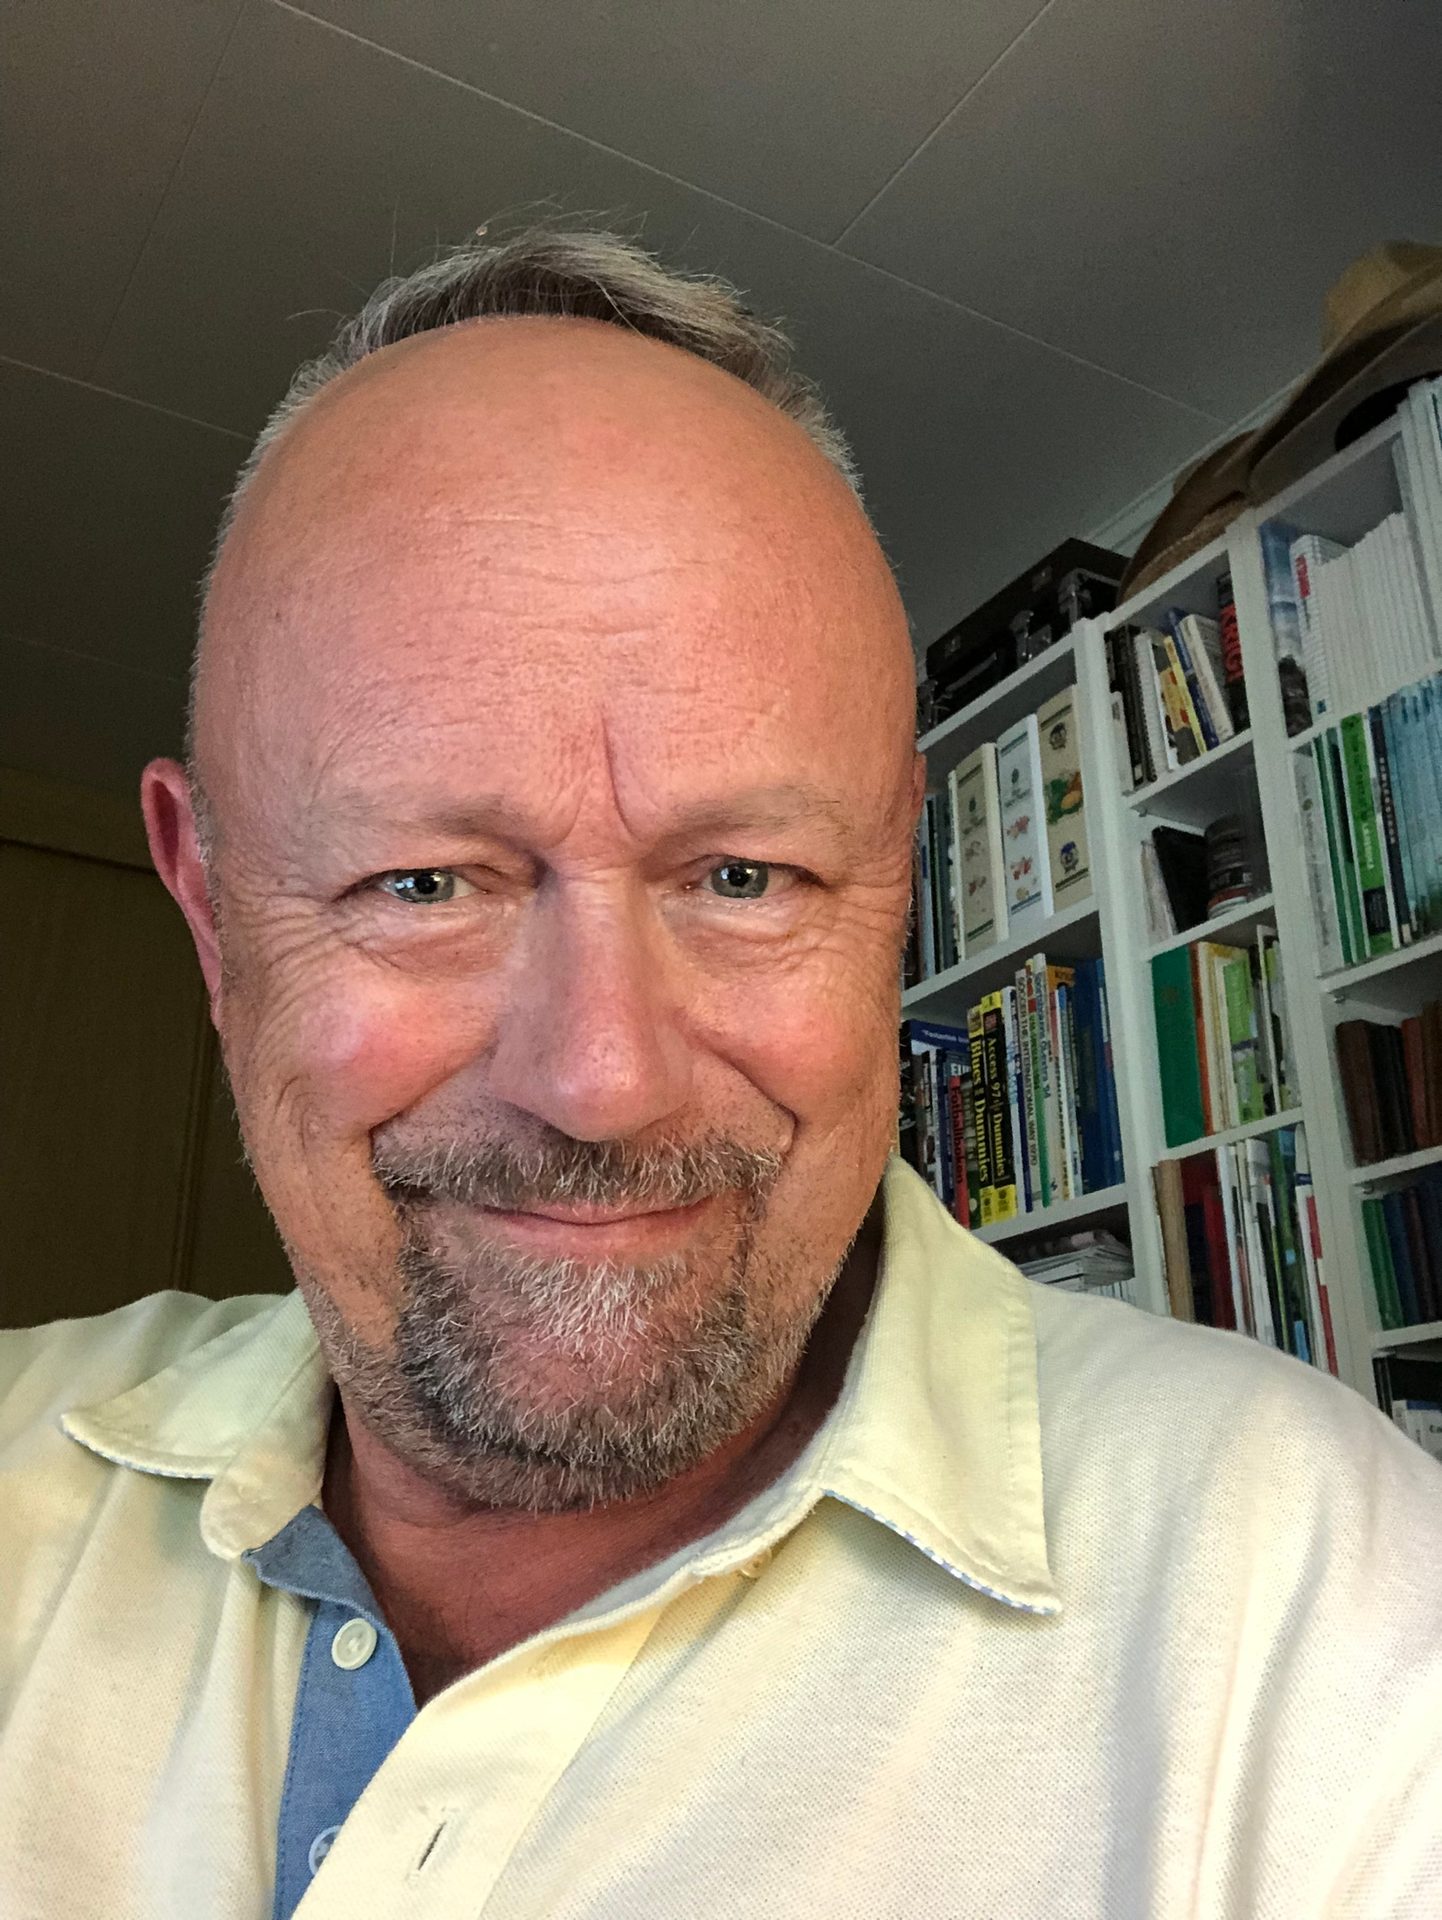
(1159, 1422)
(46, 1371)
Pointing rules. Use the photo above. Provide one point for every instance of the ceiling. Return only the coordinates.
(1037, 255)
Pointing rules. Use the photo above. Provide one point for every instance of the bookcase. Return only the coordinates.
(1253, 774)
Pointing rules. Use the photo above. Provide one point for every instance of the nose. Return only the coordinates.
(590, 1036)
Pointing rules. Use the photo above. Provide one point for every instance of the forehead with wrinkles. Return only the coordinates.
(521, 528)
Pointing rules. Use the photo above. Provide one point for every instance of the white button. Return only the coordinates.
(353, 1645)
(321, 1846)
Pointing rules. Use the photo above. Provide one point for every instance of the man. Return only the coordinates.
(650, 1503)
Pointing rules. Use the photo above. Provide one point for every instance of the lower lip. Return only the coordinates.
(636, 1233)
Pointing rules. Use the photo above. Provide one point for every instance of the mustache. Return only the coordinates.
(588, 1173)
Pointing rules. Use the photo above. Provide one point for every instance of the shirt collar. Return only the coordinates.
(936, 1433)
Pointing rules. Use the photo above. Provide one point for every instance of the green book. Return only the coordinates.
(1367, 846)
(1348, 916)
(1176, 1016)
(1379, 1254)
(1242, 1036)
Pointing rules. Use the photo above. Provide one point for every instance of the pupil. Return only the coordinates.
(741, 875)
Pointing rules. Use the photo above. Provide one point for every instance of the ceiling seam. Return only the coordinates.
(129, 399)
(733, 206)
(185, 146)
(945, 121)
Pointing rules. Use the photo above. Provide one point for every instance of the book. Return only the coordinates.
(999, 1199)
(1066, 830)
(1377, 913)
(1182, 856)
(1183, 1113)
(1160, 755)
(1182, 717)
(1234, 674)
(1307, 554)
(1025, 861)
(974, 798)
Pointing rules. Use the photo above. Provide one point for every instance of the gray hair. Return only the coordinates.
(590, 275)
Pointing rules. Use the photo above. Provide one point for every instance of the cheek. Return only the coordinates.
(359, 1050)
(824, 1051)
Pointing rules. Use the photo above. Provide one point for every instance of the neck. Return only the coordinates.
(460, 1584)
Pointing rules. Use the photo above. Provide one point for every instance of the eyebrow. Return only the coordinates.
(491, 816)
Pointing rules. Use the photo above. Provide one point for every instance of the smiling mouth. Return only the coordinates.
(596, 1229)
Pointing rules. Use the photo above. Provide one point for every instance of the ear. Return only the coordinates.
(169, 811)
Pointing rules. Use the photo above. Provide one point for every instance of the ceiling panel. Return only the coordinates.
(971, 439)
(98, 101)
(791, 109)
(72, 718)
(1168, 189)
(113, 524)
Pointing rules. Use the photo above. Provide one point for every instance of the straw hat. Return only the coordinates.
(1381, 327)
(1206, 497)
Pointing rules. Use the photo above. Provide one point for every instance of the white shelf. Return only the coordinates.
(1397, 1168)
(1403, 979)
(1203, 785)
(1406, 1336)
(1085, 1206)
(1272, 1123)
(994, 965)
(1244, 916)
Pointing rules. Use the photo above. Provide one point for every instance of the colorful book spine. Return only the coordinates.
(1025, 860)
(1066, 829)
(983, 911)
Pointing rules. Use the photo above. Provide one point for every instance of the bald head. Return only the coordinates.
(523, 489)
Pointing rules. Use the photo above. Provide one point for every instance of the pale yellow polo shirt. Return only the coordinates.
(1066, 1611)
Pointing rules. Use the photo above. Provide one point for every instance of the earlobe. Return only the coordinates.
(170, 826)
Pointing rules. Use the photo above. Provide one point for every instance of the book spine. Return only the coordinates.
(928, 934)
(1311, 1236)
(1334, 790)
(1174, 1011)
(1036, 1193)
(1197, 708)
(1204, 643)
(1016, 1102)
(957, 1099)
(1066, 827)
(1132, 690)
(1044, 1097)
(1366, 837)
(1183, 745)
(998, 1202)
(1315, 848)
(1186, 706)
(1160, 756)
(1235, 678)
(1379, 1258)
(1391, 832)
(981, 1130)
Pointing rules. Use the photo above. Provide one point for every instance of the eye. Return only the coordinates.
(424, 886)
(741, 879)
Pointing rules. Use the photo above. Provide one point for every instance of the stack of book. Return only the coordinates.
(1391, 1080)
(1016, 1111)
(1409, 1386)
(1224, 1043)
(1177, 692)
(1090, 1261)
(1370, 792)
(1002, 846)
(1404, 1246)
(1242, 1246)
(1356, 615)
